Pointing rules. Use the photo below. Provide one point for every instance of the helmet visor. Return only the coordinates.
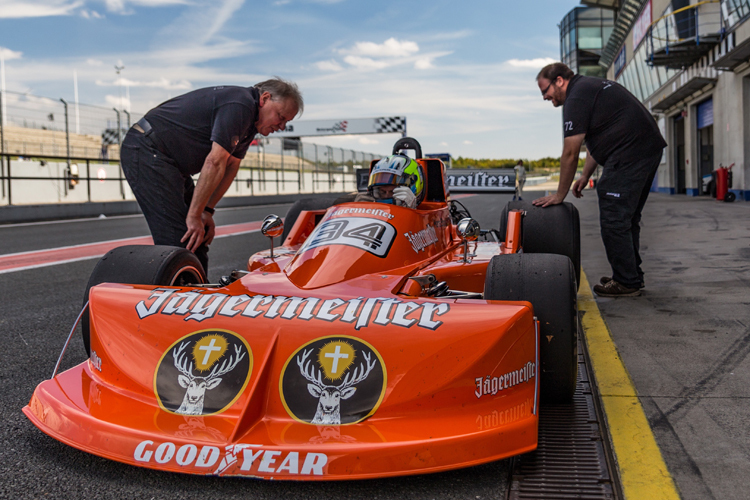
(389, 171)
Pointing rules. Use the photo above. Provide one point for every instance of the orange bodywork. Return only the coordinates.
(325, 362)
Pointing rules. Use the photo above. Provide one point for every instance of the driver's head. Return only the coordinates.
(392, 172)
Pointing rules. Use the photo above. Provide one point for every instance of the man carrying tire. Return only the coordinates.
(621, 135)
(206, 132)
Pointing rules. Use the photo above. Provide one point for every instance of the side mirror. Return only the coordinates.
(271, 227)
(468, 230)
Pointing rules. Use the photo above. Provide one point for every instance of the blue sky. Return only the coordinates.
(461, 72)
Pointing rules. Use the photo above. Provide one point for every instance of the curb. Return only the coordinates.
(641, 467)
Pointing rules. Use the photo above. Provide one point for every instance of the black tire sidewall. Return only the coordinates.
(555, 230)
(140, 265)
(547, 281)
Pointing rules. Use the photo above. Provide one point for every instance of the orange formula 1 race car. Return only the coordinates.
(379, 340)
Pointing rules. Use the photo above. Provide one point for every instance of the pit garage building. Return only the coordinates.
(688, 61)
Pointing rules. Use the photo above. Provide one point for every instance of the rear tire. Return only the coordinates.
(555, 229)
(547, 281)
(143, 265)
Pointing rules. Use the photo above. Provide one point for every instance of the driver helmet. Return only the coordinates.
(394, 171)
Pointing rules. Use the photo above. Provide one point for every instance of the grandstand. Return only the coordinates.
(32, 141)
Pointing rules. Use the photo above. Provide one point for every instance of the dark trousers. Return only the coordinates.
(163, 192)
(623, 189)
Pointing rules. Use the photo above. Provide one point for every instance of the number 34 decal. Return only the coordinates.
(372, 235)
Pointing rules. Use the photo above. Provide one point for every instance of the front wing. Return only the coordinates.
(279, 389)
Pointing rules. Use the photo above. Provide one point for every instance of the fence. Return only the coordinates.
(52, 151)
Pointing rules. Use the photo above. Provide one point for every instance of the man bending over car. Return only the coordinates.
(207, 132)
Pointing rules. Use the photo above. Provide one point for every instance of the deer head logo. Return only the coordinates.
(194, 367)
(192, 403)
(337, 380)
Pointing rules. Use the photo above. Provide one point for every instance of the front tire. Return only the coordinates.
(143, 265)
(548, 282)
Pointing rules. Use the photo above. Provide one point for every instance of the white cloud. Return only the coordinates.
(116, 6)
(159, 3)
(368, 56)
(194, 53)
(94, 62)
(366, 62)
(448, 35)
(330, 65)
(91, 14)
(425, 63)
(124, 6)
(161, 83)
(389, 48)
(14, 9)
(222, 14)
(468, 143)
(9, 55)
(367, 140)
(39, 8)
(117, 101)
(538, 63)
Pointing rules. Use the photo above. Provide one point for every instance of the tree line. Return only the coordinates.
(548, 165)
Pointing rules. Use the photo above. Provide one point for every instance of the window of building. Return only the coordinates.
(589, 38)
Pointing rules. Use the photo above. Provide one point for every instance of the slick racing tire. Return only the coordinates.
(548, 282)
(554, 229)
(304, 204)
(143, 265)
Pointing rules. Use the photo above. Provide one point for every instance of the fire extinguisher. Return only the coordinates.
(723, 176)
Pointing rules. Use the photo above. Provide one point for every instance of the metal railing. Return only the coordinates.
(43, 179)
(696, 22)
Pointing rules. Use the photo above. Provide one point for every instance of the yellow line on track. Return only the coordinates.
(643, 473)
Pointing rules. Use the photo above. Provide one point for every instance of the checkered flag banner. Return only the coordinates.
(109, 136)
(388, 124)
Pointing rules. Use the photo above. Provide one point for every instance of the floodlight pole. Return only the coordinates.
(119, 156)
(67, 132)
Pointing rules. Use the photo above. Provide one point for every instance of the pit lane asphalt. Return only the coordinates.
(39, 306)
(686, 340)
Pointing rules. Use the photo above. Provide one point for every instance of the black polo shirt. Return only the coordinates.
(185, 127)
(614, 121)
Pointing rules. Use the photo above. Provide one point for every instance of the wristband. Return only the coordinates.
(209, 210)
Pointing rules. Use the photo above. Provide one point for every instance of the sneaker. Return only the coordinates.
(606, 279)
(614, 289)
